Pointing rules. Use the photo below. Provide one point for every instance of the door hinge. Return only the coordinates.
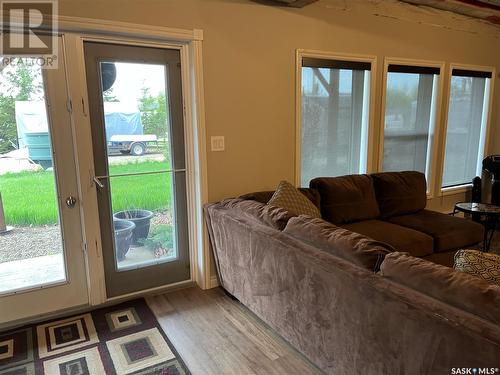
(69, 106)
(84, 108)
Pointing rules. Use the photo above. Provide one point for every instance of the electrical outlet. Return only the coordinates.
(217, 142)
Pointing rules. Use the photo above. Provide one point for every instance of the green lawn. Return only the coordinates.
(29, 197)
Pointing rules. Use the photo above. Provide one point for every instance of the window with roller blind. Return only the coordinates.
(334, 123)
(409, 118)
(466, 127)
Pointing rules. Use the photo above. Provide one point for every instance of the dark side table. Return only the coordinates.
(488, 215)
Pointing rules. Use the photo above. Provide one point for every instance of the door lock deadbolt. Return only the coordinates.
(70, 201)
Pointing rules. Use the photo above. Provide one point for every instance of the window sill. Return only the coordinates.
(456, 189)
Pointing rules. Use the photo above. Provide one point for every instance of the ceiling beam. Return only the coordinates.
(286, 3)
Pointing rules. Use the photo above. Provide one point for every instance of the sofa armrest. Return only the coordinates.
(458, 289)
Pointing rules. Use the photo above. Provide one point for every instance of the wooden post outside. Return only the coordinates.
(3, 226)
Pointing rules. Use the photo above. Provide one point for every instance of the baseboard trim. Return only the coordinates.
(7, 326)
(87, 308)
(152, 291)
(214, 282)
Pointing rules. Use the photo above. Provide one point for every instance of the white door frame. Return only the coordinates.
(189, 42)
(38, 300)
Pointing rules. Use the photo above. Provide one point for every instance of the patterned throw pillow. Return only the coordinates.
(291, 199)
(484, 265)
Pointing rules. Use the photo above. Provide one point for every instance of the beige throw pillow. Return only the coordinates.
(291, 199)
(477, 263)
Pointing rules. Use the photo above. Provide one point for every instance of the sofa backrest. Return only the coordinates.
(354, 247)
(272, 216)
(265, 196)
(400, 193)
(461, 290)
(346, 199)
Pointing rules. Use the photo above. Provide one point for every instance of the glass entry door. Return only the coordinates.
(42, 263)
(136, 111)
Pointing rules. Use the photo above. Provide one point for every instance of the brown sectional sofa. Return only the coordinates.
(390, 207)
(348, 302)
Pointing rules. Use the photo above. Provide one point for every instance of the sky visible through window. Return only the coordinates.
(128, 90)
(403, 82)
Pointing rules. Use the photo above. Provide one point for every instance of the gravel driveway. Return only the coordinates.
(30, 242)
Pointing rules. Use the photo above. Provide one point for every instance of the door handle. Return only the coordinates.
(98, 182)
(71, 201)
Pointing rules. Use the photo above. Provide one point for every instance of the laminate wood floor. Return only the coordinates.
(217, 335)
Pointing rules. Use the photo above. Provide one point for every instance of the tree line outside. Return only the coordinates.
(23, 82)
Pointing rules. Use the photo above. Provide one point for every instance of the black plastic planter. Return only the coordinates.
(141, 219)
(123, 237)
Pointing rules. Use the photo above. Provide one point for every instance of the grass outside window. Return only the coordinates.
(29, 198)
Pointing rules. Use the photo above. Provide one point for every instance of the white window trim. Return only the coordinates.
(431, 183)
(485, 129)
(455, 190)
(74, 31)
(372, 60)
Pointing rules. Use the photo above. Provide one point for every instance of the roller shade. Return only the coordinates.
(393, 68)
(470, 73)
(311, 62)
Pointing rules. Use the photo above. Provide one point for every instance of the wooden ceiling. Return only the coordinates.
(487, 10)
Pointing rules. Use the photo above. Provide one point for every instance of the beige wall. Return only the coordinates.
(249, 67)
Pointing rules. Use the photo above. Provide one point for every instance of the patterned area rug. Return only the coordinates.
(122, 339)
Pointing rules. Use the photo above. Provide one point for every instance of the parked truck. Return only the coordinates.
(132, 144)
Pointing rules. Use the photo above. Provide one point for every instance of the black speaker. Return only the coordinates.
(490, 180)
(495, 193)
(476, 190)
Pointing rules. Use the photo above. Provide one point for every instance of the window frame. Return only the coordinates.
(485, 132)
(365, 155)
(437, 116)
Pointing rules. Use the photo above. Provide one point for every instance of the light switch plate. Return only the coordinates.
(217, 142)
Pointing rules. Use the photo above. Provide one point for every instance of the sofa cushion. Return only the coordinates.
(264, 196)
(272, 216)
(288, 197)
(402, 239)
(449, 232)
(346, 199)
(477, 263)
(445, 284)
(354, 247)
(400, 193)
